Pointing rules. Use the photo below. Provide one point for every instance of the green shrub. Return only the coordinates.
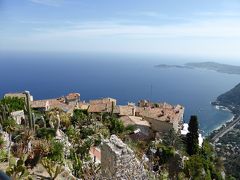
(56, 151)
(46, 133)
(165, 153)
(86, 132)
(198, 168)
(3, 155)
(129, 128)
(1, 141)
(79, 118)
(114, 125)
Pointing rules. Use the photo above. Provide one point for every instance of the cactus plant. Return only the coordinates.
(52, 168)
(57, 125)
(77, 166)
(18, 170)
(28, 108)
(4, 112)
(44, 122)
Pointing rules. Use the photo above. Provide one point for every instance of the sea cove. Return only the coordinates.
(126, 78)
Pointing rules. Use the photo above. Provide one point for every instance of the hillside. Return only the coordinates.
(228, 145)
(230, 99)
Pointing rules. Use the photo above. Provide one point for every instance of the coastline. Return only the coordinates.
(222, 108)
(224, 124)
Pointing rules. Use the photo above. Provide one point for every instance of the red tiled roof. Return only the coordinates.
(39, 104)
(52, 103)
(102, 101)
(98, 108)
(72, 96)
(164, 112)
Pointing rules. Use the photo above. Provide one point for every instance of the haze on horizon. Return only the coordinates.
(187, 28)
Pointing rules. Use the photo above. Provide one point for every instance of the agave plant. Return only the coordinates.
(27, 137)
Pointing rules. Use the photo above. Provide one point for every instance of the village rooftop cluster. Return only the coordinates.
(150, 123)
(149, 119)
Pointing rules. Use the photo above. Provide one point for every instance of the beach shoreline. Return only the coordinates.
(224, 124)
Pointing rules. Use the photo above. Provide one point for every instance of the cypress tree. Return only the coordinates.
(192, 136)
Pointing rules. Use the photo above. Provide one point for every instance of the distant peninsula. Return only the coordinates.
(171, 66)
(222, 68)
(218, 67)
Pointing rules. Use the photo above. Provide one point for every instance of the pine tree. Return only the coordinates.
(192, 136)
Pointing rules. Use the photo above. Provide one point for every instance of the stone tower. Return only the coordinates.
(118, 161)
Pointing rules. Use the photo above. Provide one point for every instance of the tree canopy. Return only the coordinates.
(192, 136)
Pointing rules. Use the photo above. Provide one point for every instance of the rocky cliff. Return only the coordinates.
(119, 161)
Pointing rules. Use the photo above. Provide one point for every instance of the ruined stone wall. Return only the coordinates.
(118, 161)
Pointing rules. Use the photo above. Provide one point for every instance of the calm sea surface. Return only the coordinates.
(125, 78)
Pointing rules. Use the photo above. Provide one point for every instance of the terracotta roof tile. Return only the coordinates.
(164, 112)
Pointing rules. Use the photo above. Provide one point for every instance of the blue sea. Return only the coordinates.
(127, 78)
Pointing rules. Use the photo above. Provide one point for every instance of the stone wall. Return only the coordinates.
(118, 161)
(160, 126)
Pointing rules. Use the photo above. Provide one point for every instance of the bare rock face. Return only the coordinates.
(118, 161)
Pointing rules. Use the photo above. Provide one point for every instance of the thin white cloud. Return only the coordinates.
(223, 28)
(202, 36)
(48, 2)
(151, 14)
(142, 13)
(223, 14)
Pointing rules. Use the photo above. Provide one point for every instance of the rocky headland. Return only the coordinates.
(218, 67)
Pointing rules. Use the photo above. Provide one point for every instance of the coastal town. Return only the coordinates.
(69, 138)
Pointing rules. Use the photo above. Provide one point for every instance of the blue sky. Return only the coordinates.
(206, 28)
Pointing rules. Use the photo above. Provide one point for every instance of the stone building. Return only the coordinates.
(72, 98)
(142, 127)
(105, 105)
(163, 117)
(18, 116)
(118, 161)
(19, 95)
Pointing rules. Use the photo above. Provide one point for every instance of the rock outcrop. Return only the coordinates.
(118, 161)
